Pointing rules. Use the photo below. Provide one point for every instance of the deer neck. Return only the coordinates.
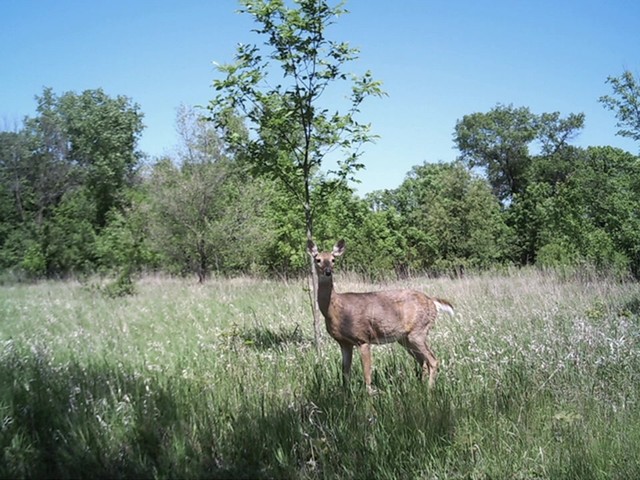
(325, 294)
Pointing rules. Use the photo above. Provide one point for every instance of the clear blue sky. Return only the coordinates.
(438, 60)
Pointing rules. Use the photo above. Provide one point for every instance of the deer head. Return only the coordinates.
(324, 260)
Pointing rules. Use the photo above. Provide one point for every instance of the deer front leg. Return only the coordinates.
(365, 355)
(347, 355)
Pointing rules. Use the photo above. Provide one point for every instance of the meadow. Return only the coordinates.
(539, 378)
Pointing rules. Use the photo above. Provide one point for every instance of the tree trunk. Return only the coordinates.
(313, 296)
(202, 262)
(313, 287)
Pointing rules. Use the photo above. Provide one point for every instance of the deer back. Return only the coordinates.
(379, 317)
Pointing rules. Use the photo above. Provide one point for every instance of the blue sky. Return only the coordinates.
(438, 61)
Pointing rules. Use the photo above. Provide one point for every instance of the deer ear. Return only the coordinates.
(311, 248)
(338, 248)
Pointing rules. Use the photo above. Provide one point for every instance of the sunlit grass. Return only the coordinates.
(540, 378)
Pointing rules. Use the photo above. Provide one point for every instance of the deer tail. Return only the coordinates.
(443, 306)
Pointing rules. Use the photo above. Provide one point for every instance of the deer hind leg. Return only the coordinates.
(347, 356)
(433, 365)
(428, 362)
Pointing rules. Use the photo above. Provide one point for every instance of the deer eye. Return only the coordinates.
(318, 260)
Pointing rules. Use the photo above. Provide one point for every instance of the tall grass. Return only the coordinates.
(540, 378)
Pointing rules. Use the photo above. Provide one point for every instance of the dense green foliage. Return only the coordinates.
(586, 212)
(74, 206)
(61, 176)
(448, 219)
(539, 378)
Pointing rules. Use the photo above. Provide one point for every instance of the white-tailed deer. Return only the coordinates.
(363, 319)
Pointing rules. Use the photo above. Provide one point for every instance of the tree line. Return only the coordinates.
(78, 197)
(245, 186)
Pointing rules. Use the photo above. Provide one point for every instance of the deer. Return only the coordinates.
(373, 318)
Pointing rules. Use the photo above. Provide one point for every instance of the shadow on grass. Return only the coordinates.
(392, 433)
(69, 420)
(108, 421)
(75, 421)
(265, 338)
(632, 306)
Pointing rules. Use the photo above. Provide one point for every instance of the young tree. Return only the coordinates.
(625, 102)
(293, 124)
(205, 210)
(186, 203)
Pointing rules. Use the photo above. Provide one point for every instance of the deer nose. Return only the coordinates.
(327, 272)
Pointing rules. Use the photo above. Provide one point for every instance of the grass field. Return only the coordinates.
(539, 378)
